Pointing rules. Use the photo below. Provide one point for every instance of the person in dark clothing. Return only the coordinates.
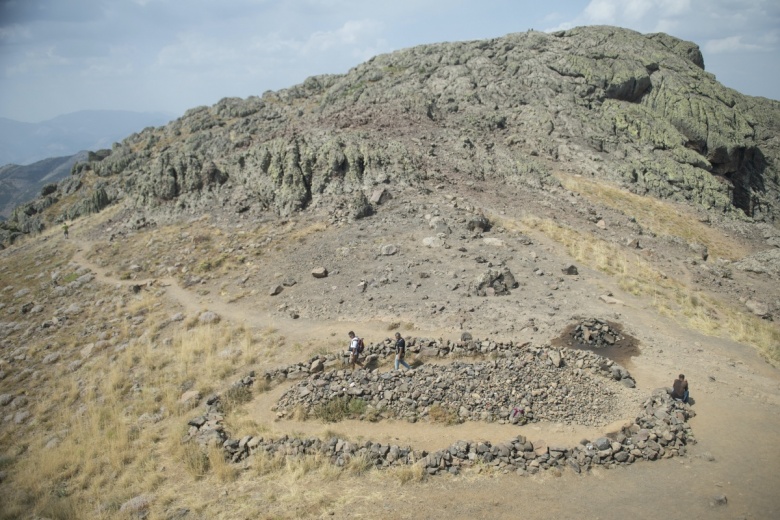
(400, 351)
(680, 389)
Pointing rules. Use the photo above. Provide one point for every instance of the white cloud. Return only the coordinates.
(15, 34)
(36, 60)
(192, 50)
(622, 12)
(601, 11)
(674, 7)
(349, 34)
(730, 44)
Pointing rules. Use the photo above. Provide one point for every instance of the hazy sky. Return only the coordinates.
(60, 56)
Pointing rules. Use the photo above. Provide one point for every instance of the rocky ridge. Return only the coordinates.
(636, 109)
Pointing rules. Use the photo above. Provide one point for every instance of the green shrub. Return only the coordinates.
(340, 408)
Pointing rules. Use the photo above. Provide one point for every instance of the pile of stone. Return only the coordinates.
(422, 348)
(660, 431)
(531, 384)
(596, 333)
(493, 282)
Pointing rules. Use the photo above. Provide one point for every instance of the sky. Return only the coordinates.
(62, 56)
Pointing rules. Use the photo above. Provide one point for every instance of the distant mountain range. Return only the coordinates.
(20, 184)
(36, 154)
(25, 143)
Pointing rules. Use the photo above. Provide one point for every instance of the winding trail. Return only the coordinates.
(737, 425)
(429, 436)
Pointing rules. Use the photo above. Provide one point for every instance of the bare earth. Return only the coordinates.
(736, 393)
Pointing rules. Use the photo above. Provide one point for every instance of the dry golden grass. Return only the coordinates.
(439, 414)
(299, 235)
(90, 450)
(671, 297)
(410, 473)
(660, 217)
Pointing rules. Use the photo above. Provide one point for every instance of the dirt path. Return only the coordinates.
(737, 400)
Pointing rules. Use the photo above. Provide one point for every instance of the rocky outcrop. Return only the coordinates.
(636, 109)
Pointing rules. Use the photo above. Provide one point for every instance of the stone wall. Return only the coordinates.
(659, 430)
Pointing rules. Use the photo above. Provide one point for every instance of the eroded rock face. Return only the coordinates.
(638, 109)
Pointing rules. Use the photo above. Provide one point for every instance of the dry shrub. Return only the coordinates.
(62, 508)
(439, 414)
(300, 413)
(220, 466)
(264, 462)
(358, 465)
(299, 466)
(301, 234)
(409, 473)
(236, 396)
(196, 460)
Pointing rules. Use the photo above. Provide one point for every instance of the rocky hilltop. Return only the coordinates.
(557, 224)
(639, 110)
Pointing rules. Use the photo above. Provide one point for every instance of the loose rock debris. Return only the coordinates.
(659, 430)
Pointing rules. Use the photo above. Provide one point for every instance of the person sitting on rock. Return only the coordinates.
(680, 389)
(400, 351)
(354, 350)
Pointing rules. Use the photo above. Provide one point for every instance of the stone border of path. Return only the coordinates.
(659, 431)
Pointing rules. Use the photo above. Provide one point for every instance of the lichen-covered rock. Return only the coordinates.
(633, 108)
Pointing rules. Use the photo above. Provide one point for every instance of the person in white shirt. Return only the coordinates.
(354, 350)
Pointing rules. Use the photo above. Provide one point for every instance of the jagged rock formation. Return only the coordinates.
(636, 109)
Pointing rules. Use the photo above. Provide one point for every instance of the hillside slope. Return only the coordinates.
(179, 354)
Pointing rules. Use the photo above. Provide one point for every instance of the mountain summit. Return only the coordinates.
(556, 225)
(638, 110)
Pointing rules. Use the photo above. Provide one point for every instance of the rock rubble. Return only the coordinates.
(660, 429)
(530, 384)
(596, 333)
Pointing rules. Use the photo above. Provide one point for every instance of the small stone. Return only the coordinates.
(380, 196)
(319, 272)
(276, 289)
(137, 504)
(208, 317)
(51, 358)
(718, 500)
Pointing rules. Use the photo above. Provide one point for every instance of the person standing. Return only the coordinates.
(680, 389)
(65, 229)
(400, 351)
(355, 344)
